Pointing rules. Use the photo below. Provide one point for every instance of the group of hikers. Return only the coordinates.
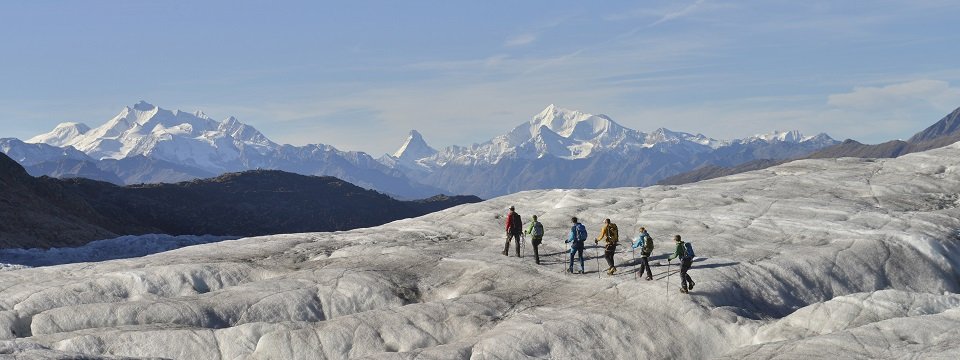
(609, 234)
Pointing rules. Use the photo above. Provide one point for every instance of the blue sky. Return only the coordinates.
(358, 75)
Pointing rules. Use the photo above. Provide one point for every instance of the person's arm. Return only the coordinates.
(603, 234)
(530, 228)
(509, 220)
(573, 234)
(676, 253)
(638, 242)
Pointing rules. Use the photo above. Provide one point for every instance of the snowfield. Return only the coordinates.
(846, 258)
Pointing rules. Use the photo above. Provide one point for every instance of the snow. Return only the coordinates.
(830, 258)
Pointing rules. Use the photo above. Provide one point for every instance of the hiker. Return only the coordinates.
(514, 230)
(686, 260)
(535, 230)
(578, 234)
(645, 243)
(610, 236)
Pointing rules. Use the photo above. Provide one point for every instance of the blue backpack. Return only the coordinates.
(688, 251)
(581, 233)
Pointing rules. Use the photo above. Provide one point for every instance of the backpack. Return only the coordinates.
(537, 229)
(515, 224)
(613, 235)
(688, 251)
(581, 232)
(648, 243)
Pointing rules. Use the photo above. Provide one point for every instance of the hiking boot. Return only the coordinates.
(649, 278)
(504, 253)
(683, 290)
(690, 286)
(612, 270)
(581, 271)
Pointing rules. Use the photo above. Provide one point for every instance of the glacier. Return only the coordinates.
(830, 258)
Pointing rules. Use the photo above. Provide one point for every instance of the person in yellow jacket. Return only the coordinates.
(610, 235)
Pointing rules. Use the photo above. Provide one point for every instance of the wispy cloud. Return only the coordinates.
(521, 40)
(923, 92)
(673, 15)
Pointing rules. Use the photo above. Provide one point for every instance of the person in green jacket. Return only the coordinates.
(686, 282)
(535, 230)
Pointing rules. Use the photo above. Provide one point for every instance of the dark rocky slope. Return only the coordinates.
(48, 212)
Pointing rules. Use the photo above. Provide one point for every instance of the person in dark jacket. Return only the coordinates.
(686, 282)
(514, 230)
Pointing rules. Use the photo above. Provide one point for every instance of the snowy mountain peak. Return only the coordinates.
(571, 123)
(662, 135)
(73, 126)
(144, 129)
(62, 134)
(414, 148)
(143, 106)
(792, 136)
(782, 136)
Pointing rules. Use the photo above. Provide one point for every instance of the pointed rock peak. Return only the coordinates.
(144, 106)
(415, 136)
(414, 147)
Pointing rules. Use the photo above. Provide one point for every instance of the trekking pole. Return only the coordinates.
(633, 254)
(563, 259)
(596, 251)
(668, 280)
(523, 242)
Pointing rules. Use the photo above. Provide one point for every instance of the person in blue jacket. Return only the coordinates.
(645, 243)
(578, 234)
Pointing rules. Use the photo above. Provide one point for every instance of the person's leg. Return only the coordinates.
(684, 266)
(608, 254)
(573, 254)
(688, 264)
(517, 238)
(536, 251)
(645, 266)
(580, 253)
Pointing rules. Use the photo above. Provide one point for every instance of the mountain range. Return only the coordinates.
(557, 148)
(944, 132)
(148, 144)
(48, 212)
(561, 148)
